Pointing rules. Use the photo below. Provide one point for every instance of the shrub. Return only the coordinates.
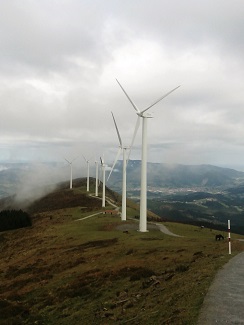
(13, 219)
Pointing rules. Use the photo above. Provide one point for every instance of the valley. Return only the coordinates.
(199, 195)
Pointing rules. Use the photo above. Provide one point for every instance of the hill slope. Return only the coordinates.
(68, 271)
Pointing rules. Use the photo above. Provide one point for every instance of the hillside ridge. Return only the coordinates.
(100, 270)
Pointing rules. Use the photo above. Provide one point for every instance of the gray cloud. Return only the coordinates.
(59, 61)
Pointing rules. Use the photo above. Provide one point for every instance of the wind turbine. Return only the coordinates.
(103, 170)
(141, 114)
(121, 147)
(71, 171)
(88, 178)
(96, 185)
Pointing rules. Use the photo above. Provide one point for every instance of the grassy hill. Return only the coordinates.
(98, 270)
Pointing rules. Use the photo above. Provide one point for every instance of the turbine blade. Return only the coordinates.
(134, 136)
(115, 161)
(99, 175)
(158, 100)
(116, 127)
(132, 103)
(67, 161)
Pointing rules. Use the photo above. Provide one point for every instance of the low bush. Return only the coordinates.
(14, 219)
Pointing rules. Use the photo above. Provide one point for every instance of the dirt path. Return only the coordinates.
(161, 227)
(150, 225)
(95, 214)
(90, 216)
(224, 302)
(107, 200)
(166, 231)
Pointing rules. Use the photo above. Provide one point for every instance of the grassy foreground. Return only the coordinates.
(102, 271)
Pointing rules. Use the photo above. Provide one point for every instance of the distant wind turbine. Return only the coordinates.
(123, 148)
(103, 171)
(141, 114)
(71, 170)
(96, 184)
(88, 176)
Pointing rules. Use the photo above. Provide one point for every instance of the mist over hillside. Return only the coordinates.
(28, 181)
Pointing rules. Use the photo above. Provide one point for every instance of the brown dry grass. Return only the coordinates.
(62, 271)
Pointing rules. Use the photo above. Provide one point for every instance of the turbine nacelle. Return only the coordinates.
(147, 115)
(124, 147)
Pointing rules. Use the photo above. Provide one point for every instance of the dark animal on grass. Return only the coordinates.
(219, 237)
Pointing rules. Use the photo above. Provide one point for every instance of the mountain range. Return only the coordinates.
(161, 175)
(203, 195)
(196, 194)
(21, 176)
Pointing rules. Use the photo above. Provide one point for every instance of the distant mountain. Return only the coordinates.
(196, 194)
(176, 176)
(21, 177)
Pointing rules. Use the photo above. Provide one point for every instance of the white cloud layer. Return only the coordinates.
(59, 61)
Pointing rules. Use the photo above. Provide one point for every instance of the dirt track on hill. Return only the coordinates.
(134, 226)
(165, 230)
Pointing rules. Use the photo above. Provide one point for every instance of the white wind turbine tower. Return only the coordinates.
(141, 114)
(96, 184)
(71, 171)
(88, 176)
(121, 147)
(103, 171)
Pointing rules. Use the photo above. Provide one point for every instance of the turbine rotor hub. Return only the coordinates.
(145, 115)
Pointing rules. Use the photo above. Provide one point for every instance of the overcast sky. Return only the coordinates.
(58, 64)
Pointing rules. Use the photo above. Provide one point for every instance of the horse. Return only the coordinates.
(219, 237)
